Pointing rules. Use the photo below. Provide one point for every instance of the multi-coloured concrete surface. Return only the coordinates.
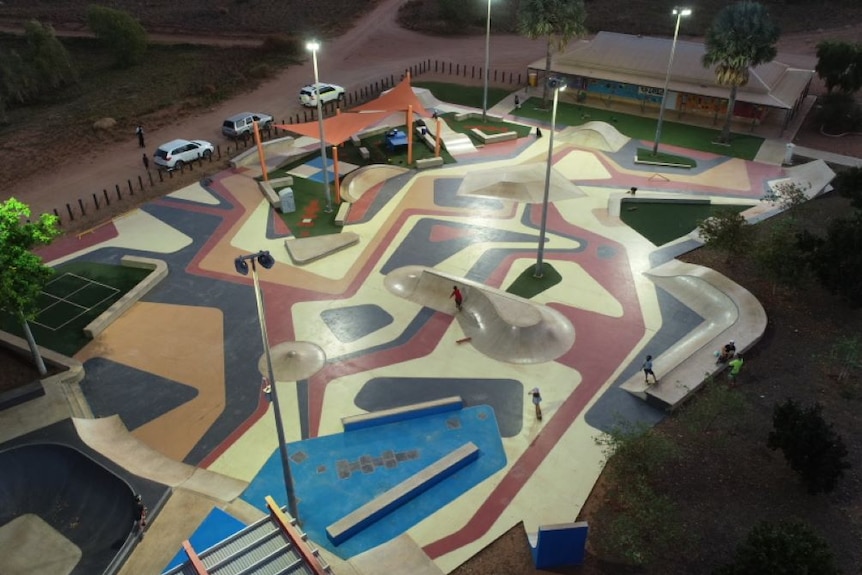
(182, 368)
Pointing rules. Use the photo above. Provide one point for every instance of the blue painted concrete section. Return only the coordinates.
(560, 546)
(408, 413)
(350, 323)
(335, 474)
(215, 528)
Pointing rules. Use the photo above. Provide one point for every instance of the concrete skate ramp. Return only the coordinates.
(109, 437)
(81, 500)
(595, 135)
(363, 179)
(813, 177)
(502, 326)
(522, 183)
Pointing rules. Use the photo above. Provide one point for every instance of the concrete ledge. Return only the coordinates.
(731, 312)
(268, 189)
(363, 151)
(355, 140)
(343, 212)
(357, 520)
(495, 137)
(476, 116)
(427, 137)
(426, 163)
(107, 317)
(354, 422)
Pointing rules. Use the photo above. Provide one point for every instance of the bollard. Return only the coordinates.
(107, 197)
(71, 214)
(96, 200)
(131, 189)
(119, 195)
(161, 177)
(81, 205)
(141, 183)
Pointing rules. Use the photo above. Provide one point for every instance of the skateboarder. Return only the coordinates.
(647, 367)
(456, 293)
(537, 399)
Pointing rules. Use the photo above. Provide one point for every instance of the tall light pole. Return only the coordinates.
(487, 63)
(557, 85)
(314, 46)
(679, 13)
(267, 261)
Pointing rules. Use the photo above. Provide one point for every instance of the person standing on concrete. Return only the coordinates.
(139, 132)
(537, 400)
(647, 367)
(517, 102)
(459, 299)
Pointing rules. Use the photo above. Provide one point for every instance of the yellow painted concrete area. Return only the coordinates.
(179, 343)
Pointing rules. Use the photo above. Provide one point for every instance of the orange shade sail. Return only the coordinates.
(398, 99)
(338, 128)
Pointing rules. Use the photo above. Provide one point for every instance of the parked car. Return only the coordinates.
(175, 154)
(328, 93)
(242, 125)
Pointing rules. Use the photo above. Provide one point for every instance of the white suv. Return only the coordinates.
(176, 153)
(328, 93)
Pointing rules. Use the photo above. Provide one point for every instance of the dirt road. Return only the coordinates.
(375, 48)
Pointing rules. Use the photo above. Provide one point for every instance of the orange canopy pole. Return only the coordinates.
(260, 153)
(437, 142)
(335, 169)
(409, 132)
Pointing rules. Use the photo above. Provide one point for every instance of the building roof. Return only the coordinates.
(643, 60)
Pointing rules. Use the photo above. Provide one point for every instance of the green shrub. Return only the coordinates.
(787, 548)
(120, 32)
(809, 444)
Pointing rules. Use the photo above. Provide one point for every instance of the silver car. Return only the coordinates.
(242, 125)
(175, 154)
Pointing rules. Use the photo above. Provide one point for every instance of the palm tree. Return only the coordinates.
(559, 21)
(741, 36)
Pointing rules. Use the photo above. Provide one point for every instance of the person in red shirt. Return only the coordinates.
(456, 293)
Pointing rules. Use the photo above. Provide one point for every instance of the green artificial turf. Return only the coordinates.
(471, 96)
(489, 127)
(645, 156)
(743, 146)
(310, 199)
(527, 285)
(60, 324)
(664, 221)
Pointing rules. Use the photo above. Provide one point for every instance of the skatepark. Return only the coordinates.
(173, 397)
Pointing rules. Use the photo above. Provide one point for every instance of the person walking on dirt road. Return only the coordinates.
(139, 132)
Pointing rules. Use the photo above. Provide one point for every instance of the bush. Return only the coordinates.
(783, 548)
(120, 32)
(839, 114)
(809, 444)
(837, 259)
(726, 231)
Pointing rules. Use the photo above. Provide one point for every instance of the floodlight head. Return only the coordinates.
(265, 259)
(241, 265)
(682, 11)
(312, 45)
(556, 83)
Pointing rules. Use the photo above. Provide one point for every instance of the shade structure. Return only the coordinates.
(522, 183)
(337, 128)
(398, 98)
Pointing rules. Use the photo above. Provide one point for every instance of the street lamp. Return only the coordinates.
(314, 46)
(679, 13)
(267, 261)
(487, 63)
(557, 85)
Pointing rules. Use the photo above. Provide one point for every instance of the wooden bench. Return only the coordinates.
(341, 215)
(359, 519)
(425, 163)
(363, 151)
(486, 138)
(412, 411)
(356, 141)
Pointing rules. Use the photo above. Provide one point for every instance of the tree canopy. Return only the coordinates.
(741, 36)
(558, 21)
(24, 275)
(120, 32)
(839, 65)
